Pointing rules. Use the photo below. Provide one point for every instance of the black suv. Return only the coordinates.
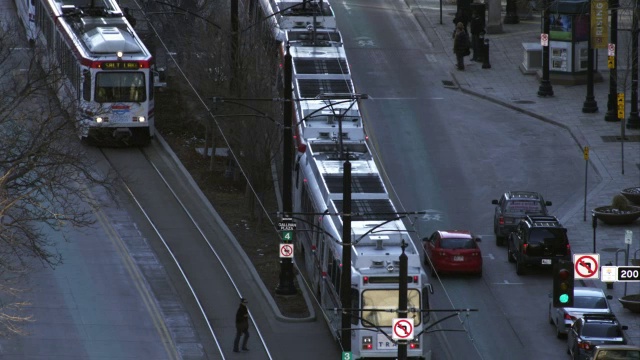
(591, 330)
(539, 241)
(512, 207)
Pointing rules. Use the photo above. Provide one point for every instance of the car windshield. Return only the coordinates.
(618, 355)
(589, 302)
(602, 331)
(523, 206)
(457, 243)
(548, 235)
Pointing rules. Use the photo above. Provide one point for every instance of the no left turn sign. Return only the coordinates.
(402, 329)
(586, 266)
(286, 251)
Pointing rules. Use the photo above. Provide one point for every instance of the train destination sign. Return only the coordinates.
(120, 65)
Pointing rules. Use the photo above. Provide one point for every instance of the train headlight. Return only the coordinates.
(139, 119)
(99, 119)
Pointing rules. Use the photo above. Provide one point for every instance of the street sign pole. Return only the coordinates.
(628, 239)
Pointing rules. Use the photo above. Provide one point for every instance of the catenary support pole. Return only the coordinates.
(345, 281)
(286, 286)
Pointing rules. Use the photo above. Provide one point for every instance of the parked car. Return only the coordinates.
(454, 251)
(591, 330)
(585, 300)
(512, 207)
(538, 241)
(615, 352)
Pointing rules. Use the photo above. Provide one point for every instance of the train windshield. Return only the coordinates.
(388, 299)
(120, 87)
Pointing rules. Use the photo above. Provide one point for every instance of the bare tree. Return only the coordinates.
(44, 173)
(253, 132)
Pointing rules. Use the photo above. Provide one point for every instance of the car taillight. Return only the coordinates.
(414, 345)
(524, 248)
(568, 317)
(568, 249)
(584, 345)
(501, 220)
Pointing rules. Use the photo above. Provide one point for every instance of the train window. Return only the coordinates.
(120, 87)
(151, 86)
(387, 299)
(355, 304)
(86, 85)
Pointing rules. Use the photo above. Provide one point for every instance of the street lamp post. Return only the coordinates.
(345, 281)
(634, 120)
(590, 105)
(402, 298)
(612, 104)
(286, 286)
(545, 88)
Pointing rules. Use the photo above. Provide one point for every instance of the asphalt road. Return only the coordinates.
(452, 154)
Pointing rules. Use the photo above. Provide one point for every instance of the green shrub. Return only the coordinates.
(620, 202)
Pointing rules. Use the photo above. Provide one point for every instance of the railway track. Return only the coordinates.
(198, 256)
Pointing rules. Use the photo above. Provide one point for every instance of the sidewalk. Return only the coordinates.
(505, 84)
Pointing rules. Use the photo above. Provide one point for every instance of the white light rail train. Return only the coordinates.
(330, 130)
(104, 72)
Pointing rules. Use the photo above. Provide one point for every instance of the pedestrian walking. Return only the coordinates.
(476, 31)
(461, 45)
(242, 326)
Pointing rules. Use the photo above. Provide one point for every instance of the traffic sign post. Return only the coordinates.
(287, 226)
(586, 266)
(544, 39)
(402, 329)
(286, 251)
(609, 274)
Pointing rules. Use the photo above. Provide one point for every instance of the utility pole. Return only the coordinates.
(345, 281)
(545, 88)
(612, 105)
(234, 45)
(286, 286)
(402, 297)
(634, 121)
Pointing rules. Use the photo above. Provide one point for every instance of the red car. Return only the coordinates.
(453, 251)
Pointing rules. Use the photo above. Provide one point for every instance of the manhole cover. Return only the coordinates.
(524, 102)
(448, 83)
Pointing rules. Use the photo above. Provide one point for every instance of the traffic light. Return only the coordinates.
(563, 284)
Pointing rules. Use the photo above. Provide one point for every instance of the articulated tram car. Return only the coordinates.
(107, 77)
(329, 131)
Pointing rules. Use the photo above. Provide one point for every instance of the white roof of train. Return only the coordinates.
(101, 31)
(300, 14)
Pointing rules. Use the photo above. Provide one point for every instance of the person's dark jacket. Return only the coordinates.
(476, 26)
(461, 42)
(242, 317)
